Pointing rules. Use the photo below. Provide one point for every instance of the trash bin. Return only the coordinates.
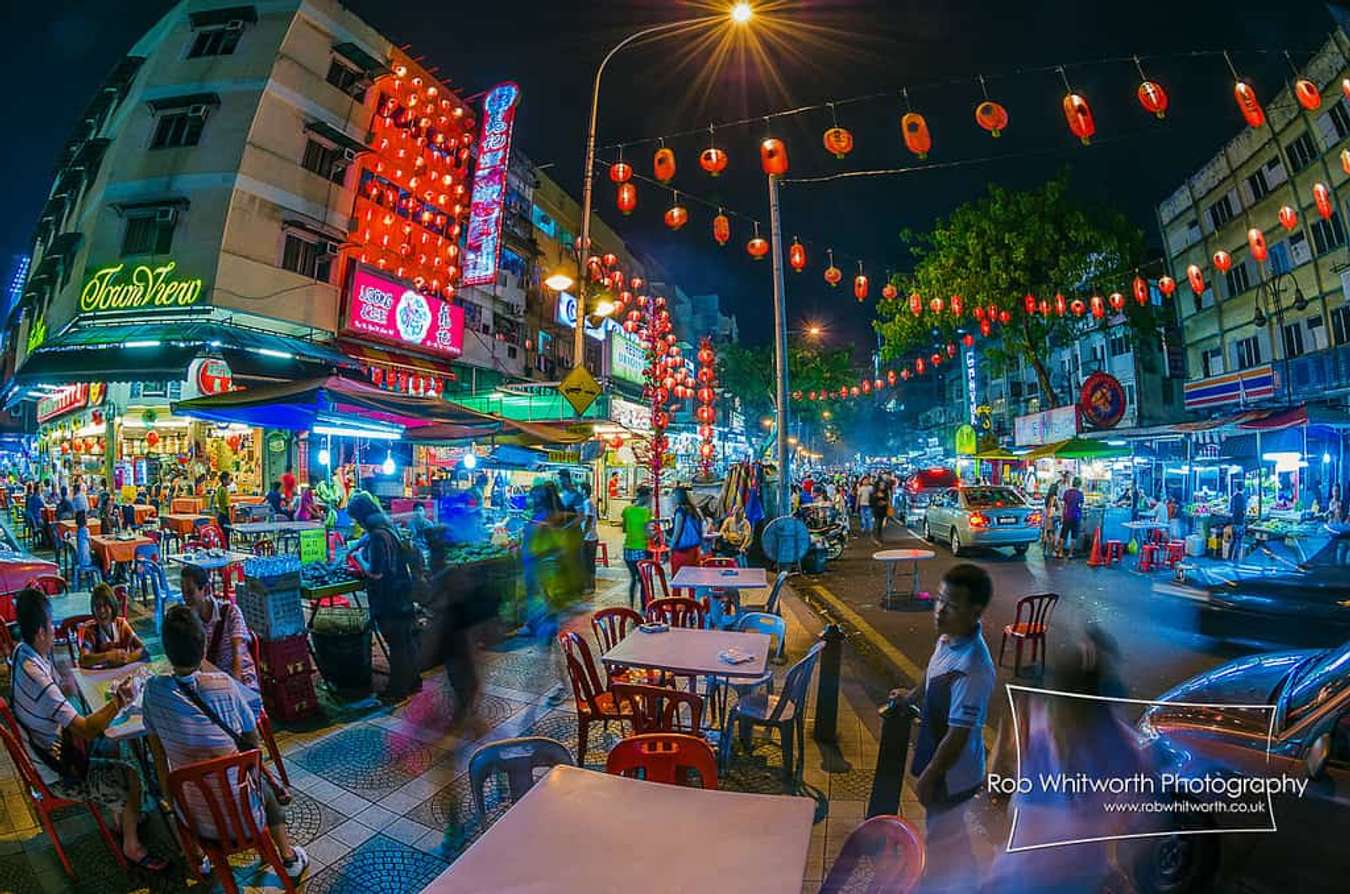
(341, 638)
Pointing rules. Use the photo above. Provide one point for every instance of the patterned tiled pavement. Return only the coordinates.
(382, 799)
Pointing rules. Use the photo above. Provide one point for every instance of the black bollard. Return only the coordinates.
(827, 695)
(897, 720)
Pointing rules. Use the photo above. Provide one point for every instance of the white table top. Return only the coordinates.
(94, 683)
(1144, 525)
(685, 650)
(573, 834)
(275, 527)
(739, 579)
(903, 555)
(210, 563)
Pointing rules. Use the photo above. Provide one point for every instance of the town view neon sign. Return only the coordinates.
(483, 242)
(109, 290)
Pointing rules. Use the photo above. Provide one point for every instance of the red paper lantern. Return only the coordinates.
(958, 305)
(1248, 104)
(1288, 217)
(811, 395)
(152, 438)
(1345, 160)
(1060, 304)
(1078, 307)
(1140, 288)
(621, 172)
(626, 198)
(877, 384)
(1078, 114)
(1223, 261)
(889, 291)
(609, 259)
(713, 160)
(915, 303)
(1098, 306)
(1196, 279)
(1029, 303)
(1345, 88)
(676, 215)
(1153, 98)
(663, 164)
(985, 327)
(935, 304)
(773, 156)
(936, 358)
(797, 256)
(1307, 94)
(843, 391)
(918, 367)
(890, 377)
(838, 142)
(757, 247)
(1322, 198)
(1256, 244)
(992, 117)
(721, 228)
(1004, 317)
(1044, 308)
(1167, 285)
(832, 273)
(968, 340)
(1117, 302)
(951, 349)
(978, 313)
(915, 130)
(860, 284)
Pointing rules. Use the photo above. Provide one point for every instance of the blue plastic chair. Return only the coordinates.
(785, 713)
(763, 622)
(776, 593)
(518, 759)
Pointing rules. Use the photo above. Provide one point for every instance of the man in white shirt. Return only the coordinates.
(865, 503)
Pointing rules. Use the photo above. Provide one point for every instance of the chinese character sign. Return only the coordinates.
(384, 309)
(482, 246)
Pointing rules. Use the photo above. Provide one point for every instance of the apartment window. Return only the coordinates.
(347, 79)
(181, 127)
(216, 41)
(1339, 117)
(1119, 344)
(1340, 324)
(1238, 279)
(1279, 258)
(1258, 184)
(1298, 249)
(1317, 332)
(1301, 151)
(1221, 212)
(1247, 352)
(1293, 340)
(310, 256)
(326, 161)
(1129, 394)
(1211, 361)
(1328, 234)
(149, 232)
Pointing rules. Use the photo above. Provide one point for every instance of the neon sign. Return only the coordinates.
(482, 246)
(385, 309)
(144, 287)
(970, 384)
(65, 399)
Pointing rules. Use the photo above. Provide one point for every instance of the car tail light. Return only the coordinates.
(1033, 518)
(978, 520)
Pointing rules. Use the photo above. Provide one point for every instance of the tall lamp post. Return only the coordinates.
(738, 14)
(1271, 290)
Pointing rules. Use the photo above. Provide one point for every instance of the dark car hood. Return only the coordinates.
(1249, 680)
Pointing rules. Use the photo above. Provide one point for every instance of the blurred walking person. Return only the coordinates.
(461, 607)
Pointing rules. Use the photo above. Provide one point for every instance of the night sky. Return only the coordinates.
(59, 52)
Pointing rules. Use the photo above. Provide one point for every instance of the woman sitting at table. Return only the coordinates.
(108, 640)
(226, 633)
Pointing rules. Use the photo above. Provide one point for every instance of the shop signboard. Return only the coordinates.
(1239, 387)
(383, 309)
(1102, 400)
(564, 457)
(114, 288)
(1046, 427)
(627, 358)
(69, 398)
(313, 546)
(565, 315)
(212, 376)
(971, 402)
(965, 440)
(630, 414)
(483, 238)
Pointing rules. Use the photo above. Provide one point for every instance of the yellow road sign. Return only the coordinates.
(580, 388)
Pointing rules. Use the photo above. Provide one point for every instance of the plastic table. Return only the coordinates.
(892, 557)
(689, 652)
(572, 833)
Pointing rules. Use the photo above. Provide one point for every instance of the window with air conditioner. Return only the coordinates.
(179, 127)
(1247, 352)
(149, 232)
(347, 79)
(329, 162)
(1292, 336)
(216, 41)
(309, 255)
(1327, 234)
(1301, 152)
(1298, 249)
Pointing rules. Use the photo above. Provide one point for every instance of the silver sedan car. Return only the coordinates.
(982, 516)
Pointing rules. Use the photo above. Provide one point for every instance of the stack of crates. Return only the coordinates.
(271, 603)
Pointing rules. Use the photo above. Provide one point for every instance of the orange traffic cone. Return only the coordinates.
(1095, 559)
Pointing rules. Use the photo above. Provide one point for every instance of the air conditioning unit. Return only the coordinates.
(331, 248)
(349, 155)
(166, 216)
(234, 25)
(197, 111)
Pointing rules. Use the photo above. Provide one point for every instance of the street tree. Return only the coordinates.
(748, 372)
(996, 250)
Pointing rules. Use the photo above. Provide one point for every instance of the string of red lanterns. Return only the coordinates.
(706, 414)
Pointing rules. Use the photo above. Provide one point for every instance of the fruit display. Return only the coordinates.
(325, 574)
(470, 553)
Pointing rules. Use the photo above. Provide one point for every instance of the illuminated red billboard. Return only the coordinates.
(384, 309)
(483, 242)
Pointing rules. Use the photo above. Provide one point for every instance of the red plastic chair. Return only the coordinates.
(718, 562)
(1033, 628)
(1115, 551)
(895, 856)
(677, 611)
(265, 723)
(51, 584)
(650, 573)
(211, 536)
(1176, 552)
(656, 709)
(40, 796)
(594, 702)
(664, 757)
(610, 625)
(68, 635)
(227, 785)
(1148, 557)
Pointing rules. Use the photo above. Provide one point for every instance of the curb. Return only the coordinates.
(879, 650)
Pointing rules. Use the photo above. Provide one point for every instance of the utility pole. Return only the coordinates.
(780, 351)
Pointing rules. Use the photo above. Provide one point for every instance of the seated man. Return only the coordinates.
(226, 633)
(55, 731)
(193, 716)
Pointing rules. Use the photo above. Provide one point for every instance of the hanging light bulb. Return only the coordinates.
(388, 465)
(325, 458)
(470, 459)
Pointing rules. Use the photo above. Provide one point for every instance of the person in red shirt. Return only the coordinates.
(288, 485)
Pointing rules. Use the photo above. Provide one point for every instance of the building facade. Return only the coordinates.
(1277, 331)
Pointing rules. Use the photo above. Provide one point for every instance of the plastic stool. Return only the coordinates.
(602, 553)
(1176, 551)
(1147, 557)
(1115, 551)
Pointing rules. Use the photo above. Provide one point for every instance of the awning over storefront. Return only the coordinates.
(163, 351)
(1078, 448)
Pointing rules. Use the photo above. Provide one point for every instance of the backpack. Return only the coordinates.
(407, 578)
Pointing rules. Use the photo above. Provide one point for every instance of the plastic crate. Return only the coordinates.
(285, 658)
(290, 699)
(271, 614)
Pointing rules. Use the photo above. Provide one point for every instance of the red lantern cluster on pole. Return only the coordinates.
(707, 409)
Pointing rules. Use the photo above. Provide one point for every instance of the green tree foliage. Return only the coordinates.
(748, 372)
(1000, 247)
